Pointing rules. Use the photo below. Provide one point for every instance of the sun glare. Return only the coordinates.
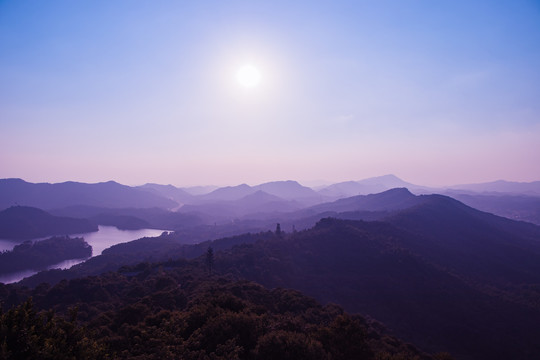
(248, 76)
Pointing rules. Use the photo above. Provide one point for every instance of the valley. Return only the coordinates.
(430, 269)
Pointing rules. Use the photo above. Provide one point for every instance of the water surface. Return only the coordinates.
(100, 240)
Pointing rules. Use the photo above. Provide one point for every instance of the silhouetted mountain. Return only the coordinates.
(471, 243)
(437, 272)
(199, 190)
(258, 202)
(168, 191)
(364, 187)
(290, 190)
(516, 207)
(228, 193)
(502, 186)
(390, 200)
(287, 190)
(51, 196)
(40, 254)
(423, 290)
(22, 222)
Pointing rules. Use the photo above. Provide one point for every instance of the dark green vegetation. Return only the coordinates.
(175, 310)
(22, 222)
(38, 255)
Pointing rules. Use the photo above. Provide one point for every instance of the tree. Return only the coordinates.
(210, 259)
(278, 230)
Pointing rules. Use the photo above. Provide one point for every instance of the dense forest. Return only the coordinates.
(178, 309)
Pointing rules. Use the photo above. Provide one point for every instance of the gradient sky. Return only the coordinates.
(435, 92)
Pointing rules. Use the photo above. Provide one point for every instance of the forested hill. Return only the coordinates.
(23, 222)
(397, 277)
(178, 310)
(40, 254)
(438, 273)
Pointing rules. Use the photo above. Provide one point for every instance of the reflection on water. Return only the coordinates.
(105, 237)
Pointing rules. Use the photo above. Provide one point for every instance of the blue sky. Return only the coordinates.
(436, 92)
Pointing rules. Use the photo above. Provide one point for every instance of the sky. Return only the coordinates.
(435, 92)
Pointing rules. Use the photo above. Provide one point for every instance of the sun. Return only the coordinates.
(248, 76)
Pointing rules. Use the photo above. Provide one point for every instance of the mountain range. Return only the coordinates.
(434, 271)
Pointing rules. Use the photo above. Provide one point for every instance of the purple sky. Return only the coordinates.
(437, 93)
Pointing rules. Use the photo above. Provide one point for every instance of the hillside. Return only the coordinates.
(22, 222)
(177, 310)
(439, 274)
(372, 268)
(516, 207)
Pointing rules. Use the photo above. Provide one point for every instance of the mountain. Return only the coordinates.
(364, 187)
(436, 272)
(426, 290)
(199, 190)
(254, 204)
(168, 191)
(290, 190)
(502, 186)
(516, 207)
(474, 244)
(390, 200)
(23, 222)
(50, 196)
(228, 193)
(287, 190)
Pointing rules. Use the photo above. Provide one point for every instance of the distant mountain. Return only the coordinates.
(51, 196)
(367, 186)
(199, 190)
(390, 200)
(168, 191)
(438, 273)
(290, 190)
(502, 186)
(256, 203)
(22, 222)
(516, 207)
(286, 190)
(228, 193)
(131, 218)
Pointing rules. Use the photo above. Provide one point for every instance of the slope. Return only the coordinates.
(22, 222)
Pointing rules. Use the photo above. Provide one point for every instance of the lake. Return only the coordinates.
(100, 240)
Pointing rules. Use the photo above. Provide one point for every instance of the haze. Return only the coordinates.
(437, 93)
